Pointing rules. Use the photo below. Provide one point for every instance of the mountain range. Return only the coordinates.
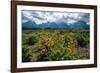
(52, 25)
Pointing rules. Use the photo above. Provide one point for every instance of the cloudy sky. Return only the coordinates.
(40, 17)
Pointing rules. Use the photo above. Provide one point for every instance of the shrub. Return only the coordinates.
(83, 39)
(32, 40)
(26, 53)
(53, 45)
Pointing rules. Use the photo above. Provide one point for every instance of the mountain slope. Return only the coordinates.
(53, 25)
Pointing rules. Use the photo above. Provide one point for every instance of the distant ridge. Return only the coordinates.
(77, 25)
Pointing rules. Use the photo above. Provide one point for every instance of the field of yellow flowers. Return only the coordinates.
(54, 45)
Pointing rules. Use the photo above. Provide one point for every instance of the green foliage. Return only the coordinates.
(32, 40)
(26, 53)
(54, 45)
(83, 39)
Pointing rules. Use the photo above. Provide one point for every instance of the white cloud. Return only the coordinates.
(24, 21)
(69, 21)
(40, 17)
(38, 21)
